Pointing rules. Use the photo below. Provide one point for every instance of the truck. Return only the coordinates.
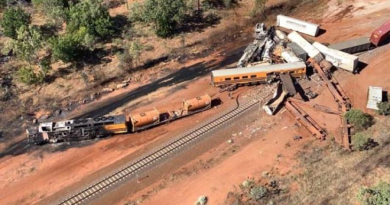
(338, 58)
(298, 25)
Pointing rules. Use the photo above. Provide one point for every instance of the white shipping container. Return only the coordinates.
(375, 96)
(290, 57)
(298, 25)
(306, 46)
(338, 58)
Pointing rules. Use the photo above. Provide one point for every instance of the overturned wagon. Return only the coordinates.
(77, 129)
(90, 128)
(153, 118)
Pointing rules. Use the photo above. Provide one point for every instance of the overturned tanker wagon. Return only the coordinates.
(91, 128)
(256, 74)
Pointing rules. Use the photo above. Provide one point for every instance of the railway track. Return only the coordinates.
(154, 157)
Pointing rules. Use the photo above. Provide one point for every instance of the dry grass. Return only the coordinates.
(333, 176)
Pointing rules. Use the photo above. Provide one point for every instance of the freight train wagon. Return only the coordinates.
(306, 46)
(256, 74)
(353, 46)
(298, 25)
(338, 58)
(381, 35)
(90, 128)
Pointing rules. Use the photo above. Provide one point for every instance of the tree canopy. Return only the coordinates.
(13, 19)
(165, 15)
(92, 15)
(27, 43)
(53, 9)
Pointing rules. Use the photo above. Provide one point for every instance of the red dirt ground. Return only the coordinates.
(258, 157)
(41, 174)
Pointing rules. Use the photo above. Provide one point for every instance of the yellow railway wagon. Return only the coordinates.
(256, 74)
(116, 124)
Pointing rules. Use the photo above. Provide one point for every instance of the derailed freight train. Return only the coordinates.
(90, 128)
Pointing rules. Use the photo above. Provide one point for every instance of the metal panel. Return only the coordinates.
(298, 25)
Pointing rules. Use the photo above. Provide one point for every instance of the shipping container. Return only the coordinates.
(302, 54)
(306, 46)
(375, 96)
(338, 58)
(353, 46)
(381, 35)
(298, 25)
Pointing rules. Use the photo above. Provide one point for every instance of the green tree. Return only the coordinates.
(13, 19)
(165, 15)
(53, 9)
(360, 142)
(27, 43)
(27, 75)
(359, 119)
(92, 15)
(377, 195)
(384, 108)
(66, 48)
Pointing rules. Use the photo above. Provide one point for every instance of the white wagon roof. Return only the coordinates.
(255, 69)
(374, 97)
(298, 20)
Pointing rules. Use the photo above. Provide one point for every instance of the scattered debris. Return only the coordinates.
(231, 141)
(297, 137)
(123, 85)
(202, 200)
(107, 90)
